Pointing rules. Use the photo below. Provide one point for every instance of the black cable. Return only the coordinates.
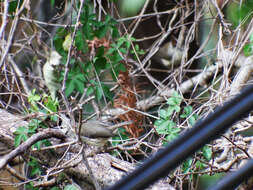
(234, 179)
(189, 142)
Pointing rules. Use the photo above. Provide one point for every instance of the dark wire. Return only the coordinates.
(189, 142)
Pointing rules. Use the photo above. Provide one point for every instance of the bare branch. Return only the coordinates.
(48, 133)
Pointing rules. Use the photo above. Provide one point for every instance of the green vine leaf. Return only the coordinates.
(21, 135)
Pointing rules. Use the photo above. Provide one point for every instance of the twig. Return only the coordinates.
(41, 22)
(48, 133)
(71, 46)
(20, 75)
(11, 33)
(4, 18)
(184, 87)
(237, 146)
(139, 18)
(149, 14)
(67, 65)
(15, 173)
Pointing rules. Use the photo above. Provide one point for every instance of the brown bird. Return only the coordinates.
(97, 133)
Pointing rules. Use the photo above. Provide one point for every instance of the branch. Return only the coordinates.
(48, 133)
(4, 18)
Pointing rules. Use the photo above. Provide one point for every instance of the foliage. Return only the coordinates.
(33, 163)
(248, 48)
(121, 137)
(31, 186)
(166, 127)
(85, 72)
(49, 106)
(22, 133)
(90, 37)
(13, 5)
(240, 14)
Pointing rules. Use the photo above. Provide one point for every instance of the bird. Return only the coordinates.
(97, 133)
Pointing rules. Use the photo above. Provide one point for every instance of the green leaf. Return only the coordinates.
(33, 125)
(100, 51)
(119, 139)
(115, 70)
(115, 32)
(31, 186)
(166, 114)
(21, 130)
(163, 114)
(248, 49)
(35, 167)
(88, 31)
(123, 50)
(90, 90)
(173, 134)
(164, 126)
(121, 41)
(59, 39)
(187, 166)
(99, 92)
(13, 5)
(199, 165)
(251, 37)
(177, 108)
(35, 171)
(76, 81)
(99, 64)
(207, 152)
(69, 89)
(170, 111)
(33, 98)
(137, 50)
(192, 120)
(21, 135)
(121, 67)
(158, 122)
(187, 112)
(80, 42)
(116, 140)
(37, 145)
(103, 90)
(175, 99)
(79, 83)
(32, 129)
(111, 50)
(115, 58)
(108, 94)
(101, 32)
(46, 142)
(19, 139)
(51, 104)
